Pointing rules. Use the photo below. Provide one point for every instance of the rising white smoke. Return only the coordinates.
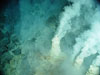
(88, 44)
(64, 26)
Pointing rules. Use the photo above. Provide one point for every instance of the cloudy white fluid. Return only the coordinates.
(64, 26)
(91, 43)
(87, 43)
